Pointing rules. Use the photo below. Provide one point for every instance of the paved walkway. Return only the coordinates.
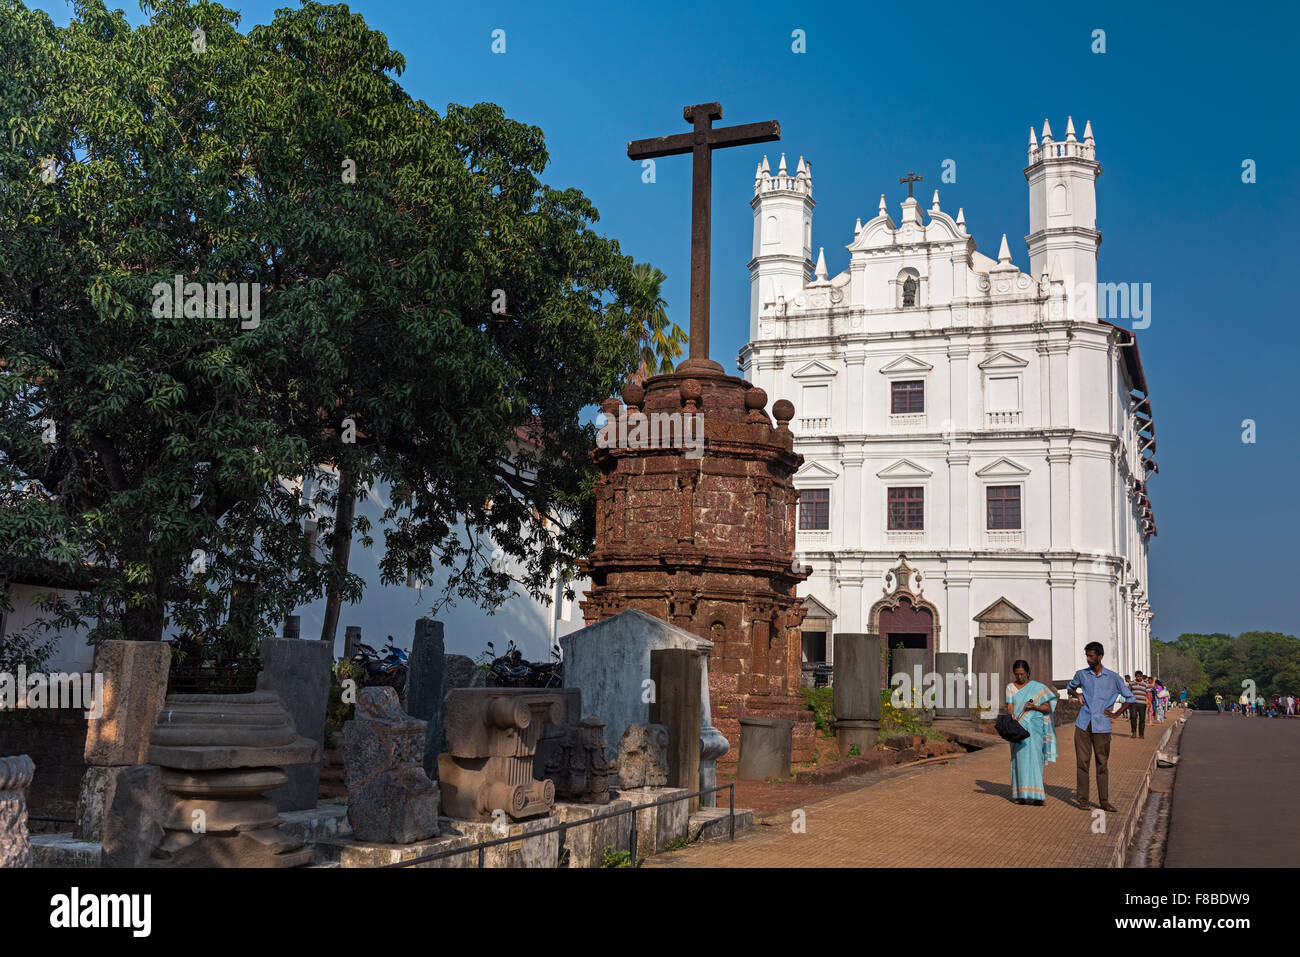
(957, 814)
(1235, 796)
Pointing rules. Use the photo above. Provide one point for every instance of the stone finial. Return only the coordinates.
(691, 393)
(934, 203)
(1087, 132)
(783, 410)
(782, 170)
(857, 227)
(611, 407)
(821, 272)
(801, 169)
(633, 395)
(1033, 139)
(1069, 130)
(1047, 131)
(755, 399)
(961, 218)
(767, 170)
(1004, 253)
(883, 208)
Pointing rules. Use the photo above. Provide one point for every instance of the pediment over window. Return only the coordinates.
(1003, 466)
(1003, 611)
(904, 468)
(906, 365)
(814, 370)
(817, 609)
(1004, 360)
(815, 471)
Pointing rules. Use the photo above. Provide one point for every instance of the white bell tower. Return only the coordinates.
(782, 263)
(1063, 238)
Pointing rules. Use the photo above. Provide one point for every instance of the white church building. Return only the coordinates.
(984, 422)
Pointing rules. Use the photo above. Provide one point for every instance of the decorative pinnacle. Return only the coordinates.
(821, 264)
(1069, 130)
(1033, 139)
(1087, 131)
(801, 170)
(1004, 253)
(934, 203)
(857, 227)
(1047, 130)
(782, 171)
(883, 208)
(961, 217)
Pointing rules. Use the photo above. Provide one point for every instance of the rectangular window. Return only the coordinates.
(907, 397)
(906, 509)
(815, 509)
(1004, 507)
(816, 400)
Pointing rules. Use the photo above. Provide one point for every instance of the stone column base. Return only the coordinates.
(864, 732)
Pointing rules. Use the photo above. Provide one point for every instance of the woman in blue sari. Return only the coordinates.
(1033, 704)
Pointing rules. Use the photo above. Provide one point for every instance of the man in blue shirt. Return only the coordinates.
(1096, 688)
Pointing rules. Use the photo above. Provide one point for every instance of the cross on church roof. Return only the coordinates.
(909, 179)
(700, 143)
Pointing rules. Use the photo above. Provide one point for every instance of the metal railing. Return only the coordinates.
(564, 828)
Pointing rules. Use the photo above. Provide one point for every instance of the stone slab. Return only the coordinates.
(97, 786)
(135, 687)
(426, 686)
(521, 852)
(133, 821)
(711, 823)
(610, 663)
(349, 853)
(65, 850)
(586, 845)
(299, 672)
(324, 822)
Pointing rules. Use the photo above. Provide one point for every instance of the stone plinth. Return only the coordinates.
(657, 827)
(390, 798)
(587, 844)
(218, 755)
(492, 736)
(522, 851)
(701, 534)
(299, 673)
(15, 777)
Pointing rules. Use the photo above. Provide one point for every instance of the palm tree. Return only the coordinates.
(661, 340)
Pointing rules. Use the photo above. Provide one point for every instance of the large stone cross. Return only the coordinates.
(700, 143)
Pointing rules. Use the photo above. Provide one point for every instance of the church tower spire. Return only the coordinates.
(1063, 235)
(782, 263)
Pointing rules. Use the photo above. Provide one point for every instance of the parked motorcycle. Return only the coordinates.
(387, 667)
(512, 671)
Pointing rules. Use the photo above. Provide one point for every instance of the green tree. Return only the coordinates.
(421, 291)
(660, 341)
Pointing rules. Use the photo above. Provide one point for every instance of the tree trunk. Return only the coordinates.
(341, 547)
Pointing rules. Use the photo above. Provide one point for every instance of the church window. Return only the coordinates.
(815, 509)
(907, 397)
(909, 291)
(1004, 507)
(906, 509)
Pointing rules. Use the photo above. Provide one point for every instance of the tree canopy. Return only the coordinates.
(1223, 664)
(429, 315)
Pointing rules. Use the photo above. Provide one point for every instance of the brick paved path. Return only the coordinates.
(958, 814)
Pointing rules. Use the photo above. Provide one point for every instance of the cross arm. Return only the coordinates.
(661, 146)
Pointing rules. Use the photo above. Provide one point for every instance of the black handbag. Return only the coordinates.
(1009, 729)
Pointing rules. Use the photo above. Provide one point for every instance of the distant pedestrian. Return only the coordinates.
(1096, 688)
(1182, 699)
(1218, 702)
(1137, 715)
(1245, 704)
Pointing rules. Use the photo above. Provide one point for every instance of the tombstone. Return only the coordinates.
(390, 798)
(856, 691)
(217, 755)
(676, 705)
(765, 748)
(491, 737)
(426, 686)
(957, 695)
(135, 686)
(15, 777)
(609, 662)
(299, 673)
(643, 756)
(351, 639)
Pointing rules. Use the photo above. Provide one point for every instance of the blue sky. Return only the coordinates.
(1179, 99)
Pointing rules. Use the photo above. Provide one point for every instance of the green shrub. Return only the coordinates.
(822, 702)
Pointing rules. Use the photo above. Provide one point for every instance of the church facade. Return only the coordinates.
(977, 439)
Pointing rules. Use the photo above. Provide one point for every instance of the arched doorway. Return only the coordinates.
(907, 624)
